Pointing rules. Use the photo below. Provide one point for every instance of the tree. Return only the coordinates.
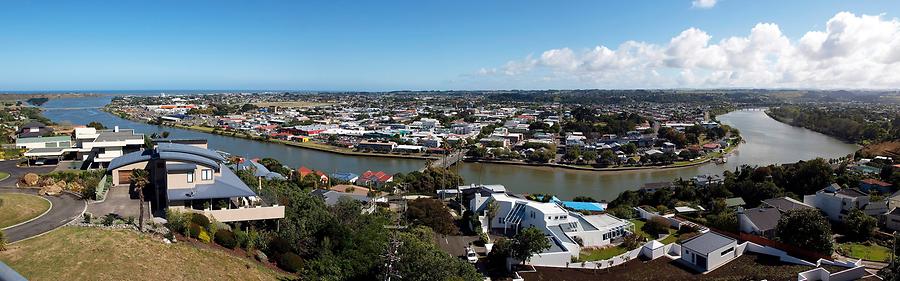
(859, 226)
(420, 259)
(140, 178)
(528, 242)
(805, 228)
(656, 226)
(431, 213)
(629, 148)
(165, 134)
(96, 125)
(492, 210)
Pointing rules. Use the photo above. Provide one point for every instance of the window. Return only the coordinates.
(728, 251)
(206, 174)
(502, 219)
(190, 176)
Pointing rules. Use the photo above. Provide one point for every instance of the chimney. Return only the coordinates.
(116, 129)
(740, 210)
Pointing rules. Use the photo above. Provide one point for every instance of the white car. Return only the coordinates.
(471, 256)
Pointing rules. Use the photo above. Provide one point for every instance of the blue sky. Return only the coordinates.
(390, 45)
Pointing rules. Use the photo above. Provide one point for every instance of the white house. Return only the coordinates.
(837, 202)
(567, 231)
(708, 251)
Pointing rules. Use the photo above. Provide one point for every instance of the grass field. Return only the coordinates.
(3, 175)
(860, 251)
(601, 254)
(17, 207)
(81, 253)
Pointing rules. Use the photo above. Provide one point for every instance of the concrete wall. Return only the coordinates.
(246, 214)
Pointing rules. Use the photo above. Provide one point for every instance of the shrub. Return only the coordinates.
(2, 241)
(177, 221)
(290, 262)
(200, 220)
(279, 246)
(242, 238)
(226, 239)
(656, 226)
(257, 240)
(87, 217)
(194, 230)
(204, 236)
(110, 219)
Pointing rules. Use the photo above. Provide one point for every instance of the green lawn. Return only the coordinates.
(638, 224)
(83, 253)
(17, 207)
(601, 254)
(860, 251)
(3, 175)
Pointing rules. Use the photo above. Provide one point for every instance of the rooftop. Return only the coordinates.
(708, 242)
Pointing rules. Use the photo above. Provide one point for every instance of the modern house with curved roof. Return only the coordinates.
(194, 179)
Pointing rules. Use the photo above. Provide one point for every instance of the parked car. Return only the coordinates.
(471, 256)
(40, 162)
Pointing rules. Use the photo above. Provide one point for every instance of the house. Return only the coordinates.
(706, 180)
(836, 202)
(258, 170)
(44, 142)
(708, 251)
(668, 147)
(374, 179)
(874, 185)
(763, 219)
(376, 146)
(303, 171)
(735, 202)
(98, 147)
(332, 197)
(562, 227)
(345, 177)
(652, 187)
(892, 219)
(34, 129)
(193, 179)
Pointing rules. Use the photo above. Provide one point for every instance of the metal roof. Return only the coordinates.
(189, 149)
(181, 167)
(44, 139)
(171, 151)
(708, 243)
(227, 185)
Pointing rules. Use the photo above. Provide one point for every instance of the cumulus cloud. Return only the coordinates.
(703, 4)
(851, 52)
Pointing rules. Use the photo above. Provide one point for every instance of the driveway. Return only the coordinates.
(16, 173)
(66, 208)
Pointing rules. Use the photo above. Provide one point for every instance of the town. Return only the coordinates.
(812, 220)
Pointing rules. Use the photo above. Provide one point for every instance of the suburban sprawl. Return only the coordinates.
(99, 201)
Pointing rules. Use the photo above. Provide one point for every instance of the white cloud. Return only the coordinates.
(703, 4)
(852, 52)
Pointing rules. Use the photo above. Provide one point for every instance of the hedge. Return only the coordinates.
(226, 238)
(200, 220)
(290, 262)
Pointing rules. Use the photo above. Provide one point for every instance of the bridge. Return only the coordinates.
(446, 161)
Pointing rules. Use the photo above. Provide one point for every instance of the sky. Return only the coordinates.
(448, 45)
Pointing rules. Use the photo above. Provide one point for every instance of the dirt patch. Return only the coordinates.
(888, 148)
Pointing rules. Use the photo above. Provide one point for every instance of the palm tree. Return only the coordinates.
(492, 209)
(140, 178)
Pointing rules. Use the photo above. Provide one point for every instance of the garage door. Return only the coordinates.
(124, 177)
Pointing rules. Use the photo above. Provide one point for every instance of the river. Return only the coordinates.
(767, 142)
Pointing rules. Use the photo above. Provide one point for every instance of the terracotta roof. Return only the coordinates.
(875, 182)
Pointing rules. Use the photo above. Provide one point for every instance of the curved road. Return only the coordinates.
(66, 207)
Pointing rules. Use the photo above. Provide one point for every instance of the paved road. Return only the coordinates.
(66, 207)
(16, 173)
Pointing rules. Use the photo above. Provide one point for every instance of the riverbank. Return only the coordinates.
(349, 152)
